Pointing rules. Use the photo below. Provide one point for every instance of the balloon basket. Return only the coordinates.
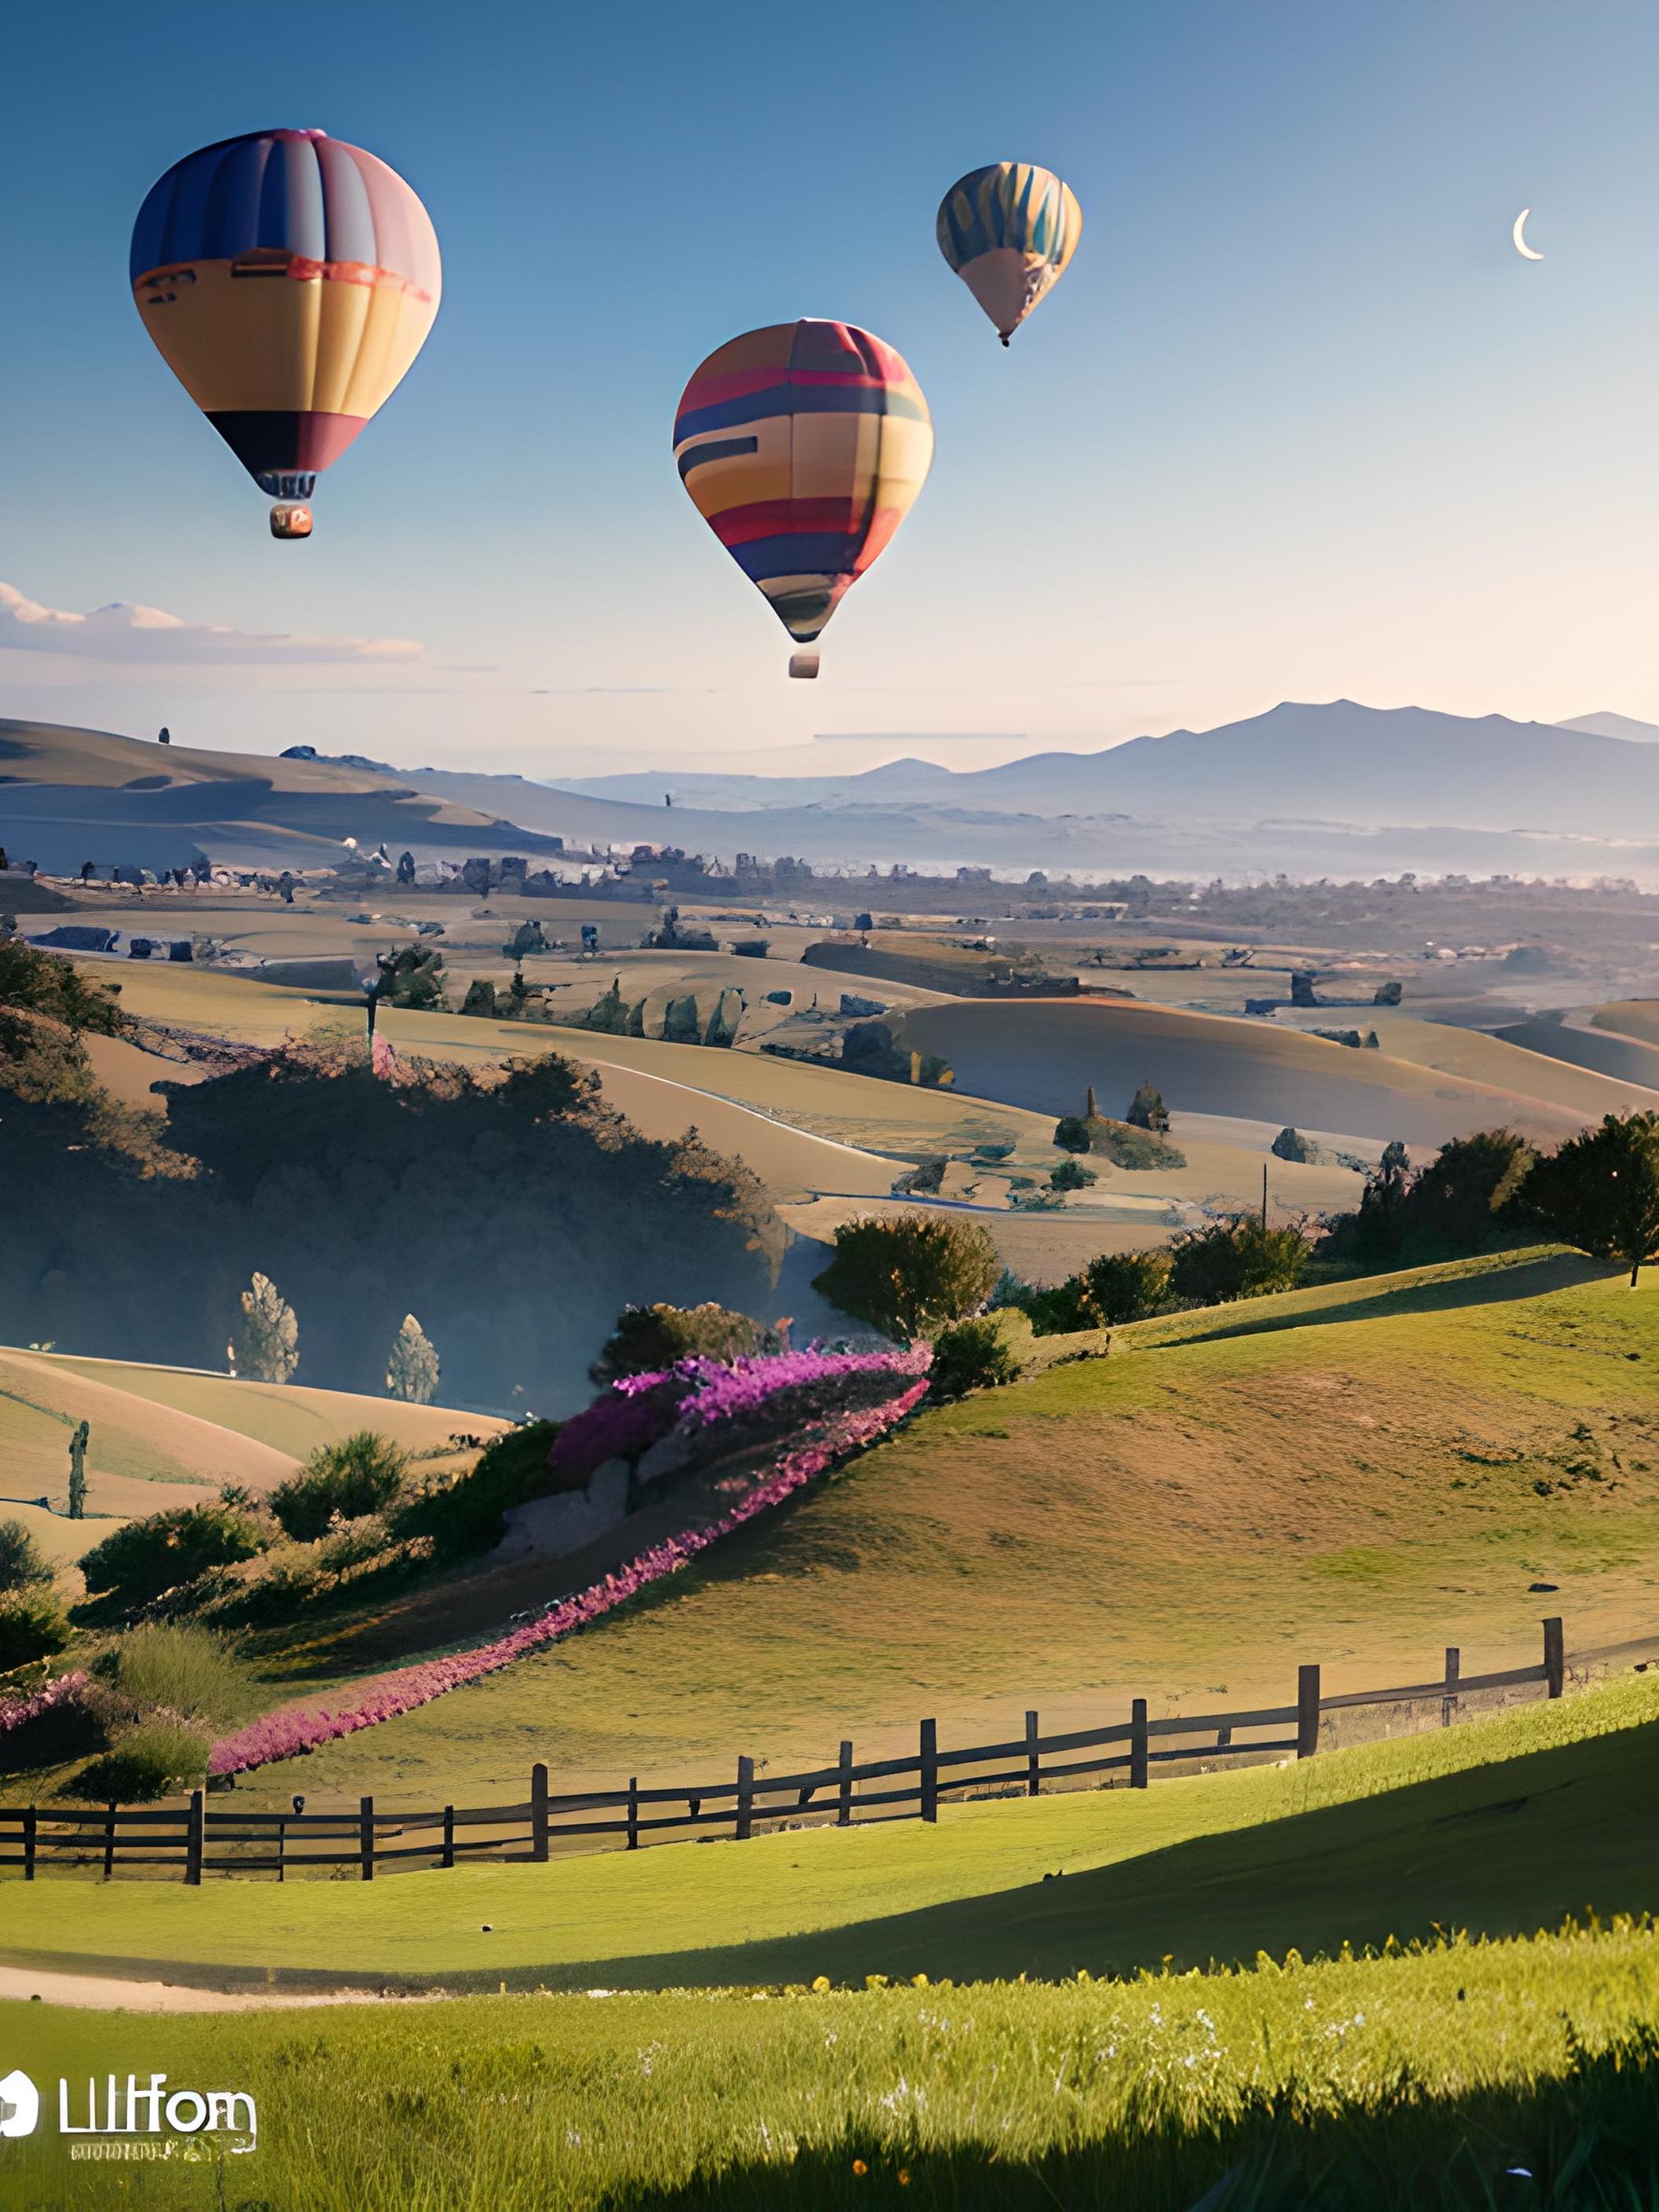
(804, 663)
(291, 522)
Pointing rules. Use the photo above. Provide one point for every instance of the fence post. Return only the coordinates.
(745, 1798)
(281, 1848)
(1454, 1670)
(194, 1827)
(1033, 1758)
(539, 1813)
(1555, 1656)
(30, 1819)
(632, 1812)
(109, 1840)
(844, 1777)
(1138, 1744)
(448, 1858)
(929, 1779)
(1306, 1711)
(366, 1836)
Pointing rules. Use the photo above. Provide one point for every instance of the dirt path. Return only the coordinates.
(109, 1993)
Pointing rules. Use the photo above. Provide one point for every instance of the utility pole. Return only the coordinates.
(1264, 1198)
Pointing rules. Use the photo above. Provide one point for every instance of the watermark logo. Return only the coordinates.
(20, 2105)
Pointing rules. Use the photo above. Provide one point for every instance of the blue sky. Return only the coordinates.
(1297, 422)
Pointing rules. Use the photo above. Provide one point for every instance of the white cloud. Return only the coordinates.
(147, 637)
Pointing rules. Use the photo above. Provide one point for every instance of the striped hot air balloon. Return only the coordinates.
(803, 446)
(288, 281)
(1009, 232)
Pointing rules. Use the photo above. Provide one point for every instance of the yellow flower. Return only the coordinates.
(904, 2177)
(859, 2167)
(918, 1981)
(821, 1983)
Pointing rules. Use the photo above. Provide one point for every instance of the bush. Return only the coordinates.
(23, 1565)
(1071, 1133)
(362, 1474)
(649, 1338)
(32, 1625)
(1124, 1286)
(1468, 1197)
(188, 1671)
(1071, 1175)
(1237, 1259)
(980, 1353)
(465, 1517)
(911, 1274)
(139, 1562)
(154, 1759)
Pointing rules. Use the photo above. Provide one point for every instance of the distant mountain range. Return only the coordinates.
(1340, 789)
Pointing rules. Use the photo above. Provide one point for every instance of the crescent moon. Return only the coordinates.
(1519, 234)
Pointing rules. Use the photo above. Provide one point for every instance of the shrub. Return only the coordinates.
(158, 1554)
(980, 1353)
(188, 1671)
(362, 1474)
(150, 1760)
(1469, 1194)
(648, 1338)
(1071, 1175)
(1236, 1259)
(23, 1565)
(1124, 1286)
(1071, 1133)
(465, 1516)
(910, 1274)
(32, 1625)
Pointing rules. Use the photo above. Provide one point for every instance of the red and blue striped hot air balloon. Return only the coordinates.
(288, 281)
(803, 446)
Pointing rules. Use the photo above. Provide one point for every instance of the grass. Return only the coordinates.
(1496, 1826)
(1187, 1524)
(1420, 2081)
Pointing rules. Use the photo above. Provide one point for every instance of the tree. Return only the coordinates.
(405, 868)
(77, 1481)
(1148, 1111)
(649, 1338)
(1600, 1191)
(910, 1274)
(266, 1345)
(23, 1563)
(1467, 1188)
(1237, 1259)
(362, 1474)
(411, 1365)
(1123, 1286)
(1071, 1175)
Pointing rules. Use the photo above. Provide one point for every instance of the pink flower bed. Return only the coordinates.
(15, 1712)
(281, 1735)
(698, 1392)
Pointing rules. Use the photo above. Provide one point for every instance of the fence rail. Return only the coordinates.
(198, 1838)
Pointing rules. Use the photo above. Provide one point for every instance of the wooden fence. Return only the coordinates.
(198, 1839)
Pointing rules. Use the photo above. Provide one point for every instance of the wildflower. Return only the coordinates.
(859, 2168)
(904, 2177)
(918, 1981)
(820, 1985)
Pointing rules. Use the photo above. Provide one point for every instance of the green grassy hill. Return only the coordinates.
(1494, 1827)
(1360, 1475)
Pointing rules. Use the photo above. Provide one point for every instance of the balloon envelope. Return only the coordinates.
(288, 281)
(1009, 231)
(803, 446)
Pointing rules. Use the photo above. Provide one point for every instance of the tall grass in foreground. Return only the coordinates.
(1521, 2073)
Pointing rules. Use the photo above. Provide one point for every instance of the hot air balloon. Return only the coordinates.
(1009, 232)
(803, 446)
(288, 281)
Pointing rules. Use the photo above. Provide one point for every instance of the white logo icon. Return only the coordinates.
(20, 2105)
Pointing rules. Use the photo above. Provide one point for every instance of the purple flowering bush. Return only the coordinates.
(17, 1712)
(281, 1735)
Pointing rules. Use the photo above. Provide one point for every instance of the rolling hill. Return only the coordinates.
(1253, 1489)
